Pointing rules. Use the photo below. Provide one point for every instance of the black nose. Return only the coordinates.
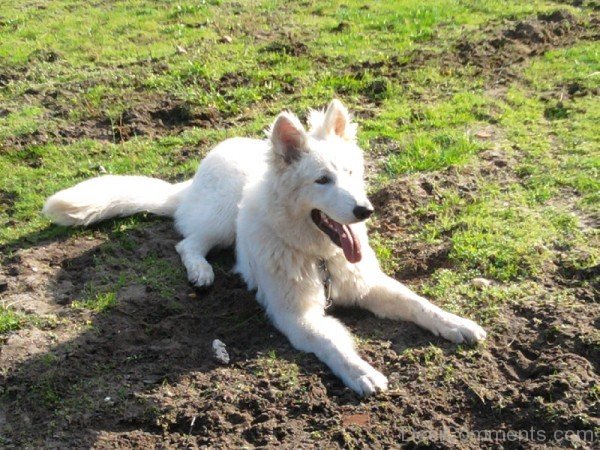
(362, 212)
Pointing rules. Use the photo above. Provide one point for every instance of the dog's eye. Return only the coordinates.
(323, 180)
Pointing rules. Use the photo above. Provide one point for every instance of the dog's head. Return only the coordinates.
(320, 174)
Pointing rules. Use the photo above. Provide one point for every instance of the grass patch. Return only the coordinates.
(454, 291)
(384, 253)
(501, 234)
(10, 320)
(428, 152)
(99, 302)
(162, 275)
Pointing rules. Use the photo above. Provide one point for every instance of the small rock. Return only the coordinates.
(481, 283)
(226, 39)
(484, 134)
(360, 420)
(180, 50)
(220, 352)
(101, 169)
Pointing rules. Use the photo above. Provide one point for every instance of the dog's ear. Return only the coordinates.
(288, 137)
(338, 121)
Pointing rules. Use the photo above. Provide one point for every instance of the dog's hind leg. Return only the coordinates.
(206, 221)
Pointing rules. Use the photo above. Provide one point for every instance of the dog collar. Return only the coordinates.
(326, 280)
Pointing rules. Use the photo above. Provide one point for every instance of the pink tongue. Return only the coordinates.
(350, 244)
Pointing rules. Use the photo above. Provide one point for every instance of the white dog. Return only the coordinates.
(295, 205)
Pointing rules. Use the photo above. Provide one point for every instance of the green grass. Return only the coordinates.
(431, 151)
(10, 320)
(20, 122)
(99, 302)
(504, 241)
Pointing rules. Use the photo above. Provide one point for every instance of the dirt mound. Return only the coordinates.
(398, 204)
(515, 41)
(576, 89)
(144, 115)
(6, 78)
(165, 117)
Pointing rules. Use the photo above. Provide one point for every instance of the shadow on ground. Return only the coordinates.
(81, 375)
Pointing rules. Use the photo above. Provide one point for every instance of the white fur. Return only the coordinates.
(112, 196)
(259, 194)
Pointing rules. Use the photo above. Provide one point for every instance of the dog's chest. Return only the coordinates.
(342, 282)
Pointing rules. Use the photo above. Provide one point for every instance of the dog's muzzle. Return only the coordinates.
(340, 234)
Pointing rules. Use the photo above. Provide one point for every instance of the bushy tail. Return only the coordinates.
(112, 196)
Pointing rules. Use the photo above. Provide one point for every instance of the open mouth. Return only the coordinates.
(340, 234)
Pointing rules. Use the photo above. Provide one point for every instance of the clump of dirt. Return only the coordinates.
(592, 4)
(10, 74)
(151, 118)
(194, 152)
(341, 27)
(396, 206)
(576, 89)
(569, 91)
(288, 46)
(556, 111)
(516, 41)
(393, 67)
(44, 55)
(7, 201)
(558, 99)
(377, 89)
(5, 79)
(233, 80)
(381, 71)
(25, 140)
(143, 115)
(583, 279)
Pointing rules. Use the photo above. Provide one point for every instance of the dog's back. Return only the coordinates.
(216, 192)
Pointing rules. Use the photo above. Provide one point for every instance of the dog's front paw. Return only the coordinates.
(458, 330)
(365, 380)
(201, 274)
